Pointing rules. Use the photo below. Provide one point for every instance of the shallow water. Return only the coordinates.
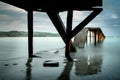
(16, 47)
(94, 62)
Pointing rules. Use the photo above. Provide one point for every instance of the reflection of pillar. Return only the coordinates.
(66, 72)
(81, 65)
(30, 33)
(88, 65)
(28, 70)
(95, 64)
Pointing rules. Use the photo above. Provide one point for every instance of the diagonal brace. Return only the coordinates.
(79, 27)
(56, 20)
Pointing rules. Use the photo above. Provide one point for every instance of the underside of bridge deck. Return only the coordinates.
(52, 8)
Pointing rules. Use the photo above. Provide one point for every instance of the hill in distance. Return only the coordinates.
(25, 34)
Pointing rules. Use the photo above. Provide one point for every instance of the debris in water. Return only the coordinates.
(51, 63)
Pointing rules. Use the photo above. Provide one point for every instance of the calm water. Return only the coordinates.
(18, 46)
(100, 62)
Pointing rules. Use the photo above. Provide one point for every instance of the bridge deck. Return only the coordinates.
(54, 5)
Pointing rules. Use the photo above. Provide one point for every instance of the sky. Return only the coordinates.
(13, 18)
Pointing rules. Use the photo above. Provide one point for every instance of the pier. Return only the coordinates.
(97, 34)
(94, 32)
(52, 8)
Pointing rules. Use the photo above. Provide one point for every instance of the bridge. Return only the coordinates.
(52, 8)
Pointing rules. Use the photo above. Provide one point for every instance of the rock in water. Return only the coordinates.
(51, 63)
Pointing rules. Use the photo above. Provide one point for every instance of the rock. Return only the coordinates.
(15, 64)
(6, 64)
(56, 51)
(51, 63)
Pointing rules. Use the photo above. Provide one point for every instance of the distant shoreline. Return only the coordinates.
(36, 34)
(25, 34)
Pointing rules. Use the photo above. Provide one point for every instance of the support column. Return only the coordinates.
(90, 36)
(95, 36)
(68, 35)
(98, 37)
(30, 33)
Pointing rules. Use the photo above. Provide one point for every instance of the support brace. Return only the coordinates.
(69, 33)
(55, 18)
(79, 27)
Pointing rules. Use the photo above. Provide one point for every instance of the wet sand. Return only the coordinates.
(100, 62)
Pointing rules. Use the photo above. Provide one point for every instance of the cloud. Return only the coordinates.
(4, 6)
(114, 16)
(15, 18)
(4, 17)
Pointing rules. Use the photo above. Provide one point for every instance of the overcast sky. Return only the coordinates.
(13, 18)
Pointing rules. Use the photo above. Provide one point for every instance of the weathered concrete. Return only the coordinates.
(80, 38)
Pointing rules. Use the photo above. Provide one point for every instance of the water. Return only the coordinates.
(15, 47)
(100, 62)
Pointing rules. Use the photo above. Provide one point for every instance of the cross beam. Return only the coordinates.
(56, 20)
(68, 34)
(79, 27)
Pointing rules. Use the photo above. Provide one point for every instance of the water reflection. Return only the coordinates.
(88, 65)
(65, 75)
(28, 70)
(93, 40)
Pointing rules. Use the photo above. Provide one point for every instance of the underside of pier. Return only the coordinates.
(52, 8)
